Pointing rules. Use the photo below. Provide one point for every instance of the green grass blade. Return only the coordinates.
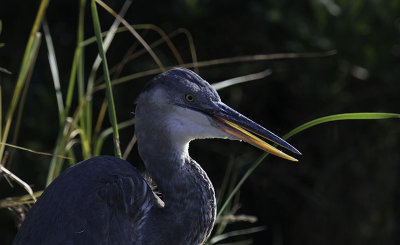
(85, 117)
(110, 34)
(71, 82)
(22, 78)
(331, 118)
(56, 163)
(340, 117)
(240, 183)
(110, 99)
(107, 132)
(21, 103)
(63, 136)
(54, 71)
(26, 63)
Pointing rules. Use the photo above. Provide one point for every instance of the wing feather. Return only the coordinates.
(103, 200)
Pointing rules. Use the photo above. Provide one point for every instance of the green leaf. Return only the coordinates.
(109, 94)
(340, 117)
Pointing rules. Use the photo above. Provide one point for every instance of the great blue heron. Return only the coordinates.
(104, 200)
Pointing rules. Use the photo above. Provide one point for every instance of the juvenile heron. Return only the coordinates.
(105, 200)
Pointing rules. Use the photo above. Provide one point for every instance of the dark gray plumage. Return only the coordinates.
(104, 200)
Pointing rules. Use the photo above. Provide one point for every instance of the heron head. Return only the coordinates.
(186, 107)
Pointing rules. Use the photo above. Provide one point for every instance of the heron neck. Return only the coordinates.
(186, 189)
(176, 174)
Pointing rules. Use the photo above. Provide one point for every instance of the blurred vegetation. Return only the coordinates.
(344, 190)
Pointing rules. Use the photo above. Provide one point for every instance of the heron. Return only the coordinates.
(105, 200)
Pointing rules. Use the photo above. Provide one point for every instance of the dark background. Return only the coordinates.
(344, 190)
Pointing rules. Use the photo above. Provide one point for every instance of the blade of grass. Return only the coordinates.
(236, 233)
(246, 58)
(129, 147)
(237, 218)
(71, 82)
(111, 105)
(109, 36)
(113, 30)
(92, 76)
(163, 39)
(51, 55)
(63, 136)
(242, 79)
(11, 202)
(4, 70)
(224, 186)
(331, 118)
(260, 57)
(134, 33)
(21, 104)
(26, 63)
(340, 117)
(27, 66)
(232, 207)
(85, 118)
(59, 149)
(1, 112)
(18, 180)
(224, 190)
(100, 119)
(107, 132)
(192, 47)
(33, 151)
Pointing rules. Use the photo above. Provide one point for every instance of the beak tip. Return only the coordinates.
(291, 148)
(290, 158)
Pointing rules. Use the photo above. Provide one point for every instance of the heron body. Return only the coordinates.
(105, 200)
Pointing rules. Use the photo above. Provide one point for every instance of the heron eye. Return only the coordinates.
(189, 97)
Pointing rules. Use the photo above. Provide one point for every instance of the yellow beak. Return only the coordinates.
(243, 134)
